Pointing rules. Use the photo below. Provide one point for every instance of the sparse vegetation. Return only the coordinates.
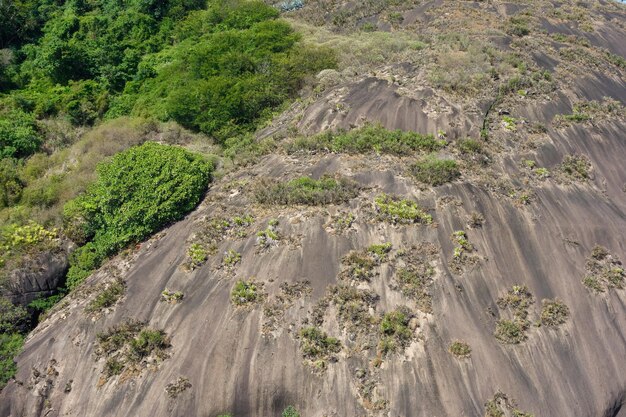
(396, 210)
(435, 171)
(554, 312)
(576, 167)
(517, 300)
(268, 237)
(603, 271)
(317, 346)
(128, 346)
(108, 297)
(174, 389)
(307, 191)
(414, 282)
(460, 349)
(359, 266)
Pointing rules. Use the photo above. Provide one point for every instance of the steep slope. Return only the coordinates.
(537, 196)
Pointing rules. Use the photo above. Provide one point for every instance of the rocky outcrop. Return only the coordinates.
(40, 276)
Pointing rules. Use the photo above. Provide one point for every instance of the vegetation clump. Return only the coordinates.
(172, 297)
(108, 297)
(415, 282)
(231, 258)
(318, 347)
(290, 411)
(576, 167)
(269, 236)
(554, 312)
(359, 265)
(307, 191)
(396, 210)
(462, 255)
(603, 271)
(174, 389)
(128, 346)
(517, 300)
(435, 171)
(500, 406)
(138, 192)
(394, 331)
(197, 255)
(246, 293)
(369, 138)
(460, 349)
(353, 307)
(17, 242)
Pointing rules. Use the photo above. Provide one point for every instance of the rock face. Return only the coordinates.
(40, 277)
(521, 264)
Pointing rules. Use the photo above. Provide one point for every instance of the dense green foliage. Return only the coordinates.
(138, 192)
(10, 346)
(307, 191)
(229, 67)
(369, 138)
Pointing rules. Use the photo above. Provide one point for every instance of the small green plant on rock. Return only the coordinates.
(197, 254)
(554, 312)
(245, 293)
(231, 258)
(394, 331)
(396, 210)
(380, 251)
(290, 412)
(172, 297)
(460, 349)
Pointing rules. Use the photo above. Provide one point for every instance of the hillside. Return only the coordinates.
(420, 215)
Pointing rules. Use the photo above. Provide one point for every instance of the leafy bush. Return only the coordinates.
(400, 211)
(139, 191)
(12, 317)
(10, 346)
(435, 171)
(369, 138)
(18, 134)
(307, 191)
(237, 58)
